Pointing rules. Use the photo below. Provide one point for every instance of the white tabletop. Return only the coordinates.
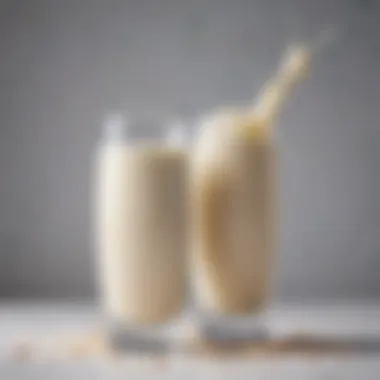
(30, 333)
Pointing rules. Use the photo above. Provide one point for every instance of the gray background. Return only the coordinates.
(64, 63)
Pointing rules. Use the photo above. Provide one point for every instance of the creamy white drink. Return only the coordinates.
(141, 230)
(233, 198)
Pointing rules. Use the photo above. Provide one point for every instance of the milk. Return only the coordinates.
(233, 232)
(141, 231)
(233, 198)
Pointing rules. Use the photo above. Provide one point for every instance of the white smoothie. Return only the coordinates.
(233, 204)
(141, 231)
(233, 198)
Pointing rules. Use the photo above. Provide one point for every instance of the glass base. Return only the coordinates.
(180, 335)
(160, 338)
(226, 329)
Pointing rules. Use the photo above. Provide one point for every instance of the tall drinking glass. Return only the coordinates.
(141, 224)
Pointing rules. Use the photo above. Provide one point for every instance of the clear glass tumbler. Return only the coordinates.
(141, 228)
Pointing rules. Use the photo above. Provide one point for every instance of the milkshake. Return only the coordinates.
(233, 209)
(141, 222)
(233, 201)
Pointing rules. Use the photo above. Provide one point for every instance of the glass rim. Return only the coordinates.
(127, 128)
